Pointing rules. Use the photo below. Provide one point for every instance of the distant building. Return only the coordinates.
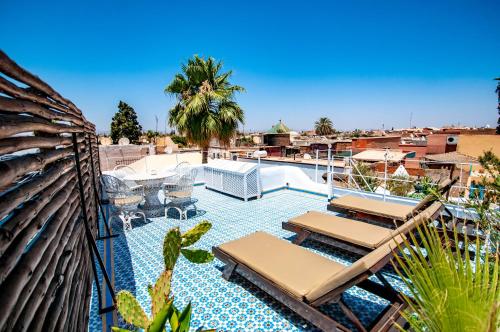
(278, 135)
(382, 142)
(442, 142)
(381, 155)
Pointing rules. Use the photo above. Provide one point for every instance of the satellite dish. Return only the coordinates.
(123, 141)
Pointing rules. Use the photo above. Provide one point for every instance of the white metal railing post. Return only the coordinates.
(317, 161)
(328, 175)
(385, 172)
(259, 183)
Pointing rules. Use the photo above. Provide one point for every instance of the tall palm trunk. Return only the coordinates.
(204, 154)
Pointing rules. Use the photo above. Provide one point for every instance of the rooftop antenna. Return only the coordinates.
(411, 116)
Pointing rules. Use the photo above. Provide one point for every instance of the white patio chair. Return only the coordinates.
(178, 195)
(125, 198)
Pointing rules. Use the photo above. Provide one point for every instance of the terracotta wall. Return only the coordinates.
(362, 143)
(437, 143)
(475, 145)
(420, 150)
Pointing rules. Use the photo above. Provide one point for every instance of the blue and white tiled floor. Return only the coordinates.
(236, 305)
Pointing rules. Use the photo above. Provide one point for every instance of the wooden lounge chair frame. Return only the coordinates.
(307, 234)
(310, 311)
(362, 214)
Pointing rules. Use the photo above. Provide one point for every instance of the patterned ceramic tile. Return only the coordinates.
(236, 305)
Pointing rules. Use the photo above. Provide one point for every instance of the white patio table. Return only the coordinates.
(152, 183)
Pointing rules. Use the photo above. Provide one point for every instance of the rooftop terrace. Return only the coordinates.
(236, 305)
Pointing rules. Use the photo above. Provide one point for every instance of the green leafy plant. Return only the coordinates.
(162, 306)
(365, 177)
(206, 107)
(125, 124)
(423, 187)
(152, 135)
(399, 185)
(486, 205)
(449, 292)
(179, 140)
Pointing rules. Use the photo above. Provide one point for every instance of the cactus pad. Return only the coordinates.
(198, 256)
(131, 310)
(195, 233)
(160, 292)
(171, 248)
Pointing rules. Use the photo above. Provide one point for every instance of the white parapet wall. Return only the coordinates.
(277, 177)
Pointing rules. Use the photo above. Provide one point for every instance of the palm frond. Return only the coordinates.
(448, 291)
(206, 107)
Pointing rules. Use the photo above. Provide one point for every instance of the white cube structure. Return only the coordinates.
(235, 178)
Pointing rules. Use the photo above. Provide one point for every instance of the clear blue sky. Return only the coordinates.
(361, 63)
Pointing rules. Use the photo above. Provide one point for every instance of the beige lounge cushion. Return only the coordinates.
(362, 265)
(127, 200)
(356, 232)
(374, 207)
(180, 194)
(411, 224)
(293, 268)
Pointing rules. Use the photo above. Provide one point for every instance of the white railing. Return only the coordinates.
(362, 182)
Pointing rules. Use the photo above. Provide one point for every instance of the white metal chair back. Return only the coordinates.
(125, 198)
(179, 195)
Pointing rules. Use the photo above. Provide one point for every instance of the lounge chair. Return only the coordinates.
(352, 235)
(303, 280)
(391, 213)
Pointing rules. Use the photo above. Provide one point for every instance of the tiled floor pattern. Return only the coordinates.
(236, 305)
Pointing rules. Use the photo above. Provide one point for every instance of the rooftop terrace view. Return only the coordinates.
(233, 166)
(234, 305)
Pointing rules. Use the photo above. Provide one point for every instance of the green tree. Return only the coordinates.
(324, 126)
(152, 135)
(125, 124)
(205, 107)
(179, 140)
(485, 205)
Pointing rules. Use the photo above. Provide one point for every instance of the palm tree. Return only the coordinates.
(205, 107)
(324, 126)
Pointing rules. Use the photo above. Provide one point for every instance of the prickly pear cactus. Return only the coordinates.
(171, 248)
(131, 310)
(194, 234)
(197, 256)
(160, 291)
(162, 307)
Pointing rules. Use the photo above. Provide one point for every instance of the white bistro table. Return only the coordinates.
(151, 183)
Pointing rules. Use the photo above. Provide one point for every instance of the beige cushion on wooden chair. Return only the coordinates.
(356, 232)
(128, 200)
(362, 265)
(408, 226)
(291, 267)
(298, 271)
(373, 206)
(180, 194)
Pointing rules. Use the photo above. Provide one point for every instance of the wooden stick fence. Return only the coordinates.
(49, 207)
